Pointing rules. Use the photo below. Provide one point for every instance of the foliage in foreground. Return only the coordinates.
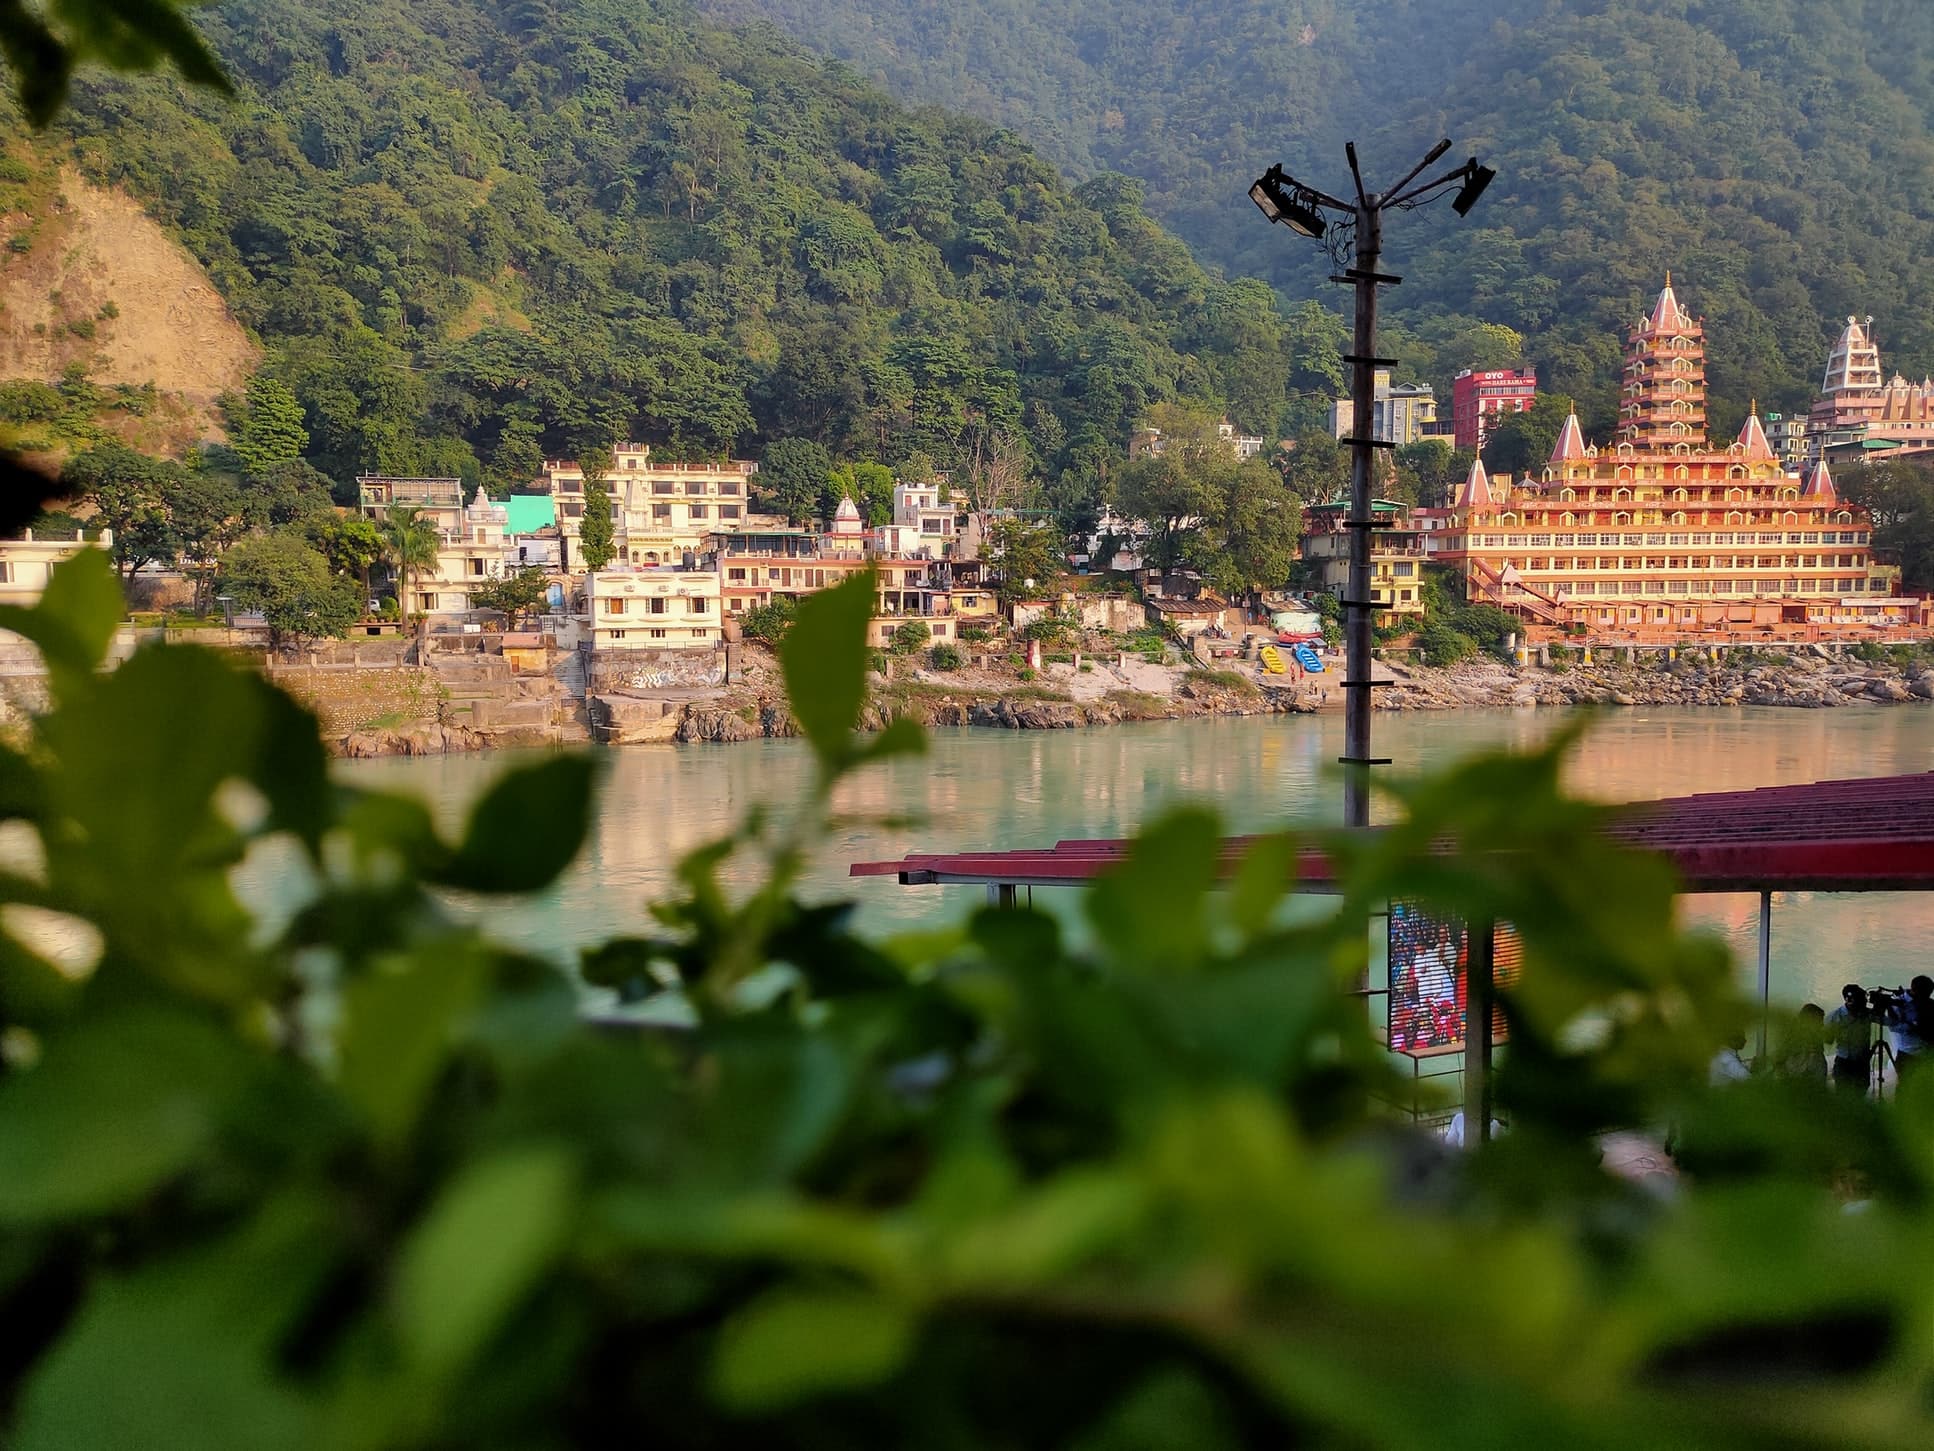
(366, 1179)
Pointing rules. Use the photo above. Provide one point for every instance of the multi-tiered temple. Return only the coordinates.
(1660, 530)
(1858, 416)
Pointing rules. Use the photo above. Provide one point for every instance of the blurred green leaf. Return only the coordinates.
(112, 1111)
(824, 658)
(400, 1022)
(183, 1352)
(491, 1233)
(526, 829)
(796, 1345)
(43, 47)
(1151, 907)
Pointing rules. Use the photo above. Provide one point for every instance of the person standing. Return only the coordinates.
(1849, 1030)
(1911, 1022)
(1802, 1054)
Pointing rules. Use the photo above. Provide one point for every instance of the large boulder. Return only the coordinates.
(715, 723)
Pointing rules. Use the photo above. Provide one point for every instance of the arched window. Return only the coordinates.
(1679, 518)
(1622, 494)
(1568, 494)
(1735, 517)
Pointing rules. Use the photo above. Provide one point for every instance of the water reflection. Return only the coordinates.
(991, 789)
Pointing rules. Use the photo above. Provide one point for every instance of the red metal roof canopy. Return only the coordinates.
(1871, 835)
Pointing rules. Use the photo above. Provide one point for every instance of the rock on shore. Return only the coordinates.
(419, 738)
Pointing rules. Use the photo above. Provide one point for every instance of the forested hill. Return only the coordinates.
(1776, 154)
(474, 232)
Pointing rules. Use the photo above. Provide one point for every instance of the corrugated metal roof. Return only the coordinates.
(1869, 835)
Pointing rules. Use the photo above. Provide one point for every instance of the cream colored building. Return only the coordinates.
(26, 562)
(660, 512)
(654, 608)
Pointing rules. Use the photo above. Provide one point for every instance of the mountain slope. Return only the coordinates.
(470, 233)
(1775, 154)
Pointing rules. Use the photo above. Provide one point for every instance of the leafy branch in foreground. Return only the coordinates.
(368, 1180)
(43, 44)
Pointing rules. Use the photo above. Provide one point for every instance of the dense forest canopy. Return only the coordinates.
(475, 233)
(1775, 154)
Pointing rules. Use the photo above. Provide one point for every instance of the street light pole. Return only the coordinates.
(1281, 198)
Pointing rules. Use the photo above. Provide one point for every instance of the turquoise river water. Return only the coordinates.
(1004, 789)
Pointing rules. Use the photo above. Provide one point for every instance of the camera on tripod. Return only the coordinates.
(1883, 1000)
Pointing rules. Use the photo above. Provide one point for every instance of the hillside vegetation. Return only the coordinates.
(1776, 155)
(472, 233)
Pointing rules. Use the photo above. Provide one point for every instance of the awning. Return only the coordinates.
(1869, 835)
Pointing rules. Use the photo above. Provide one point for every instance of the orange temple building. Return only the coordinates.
(1660, 531)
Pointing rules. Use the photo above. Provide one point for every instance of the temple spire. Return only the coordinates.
(1667, 315)
(1753, 440)
(1819, 484)
(1570, 447)
(1476, 492)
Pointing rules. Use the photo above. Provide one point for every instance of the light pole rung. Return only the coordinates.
(1386, 279)
(1373, 362)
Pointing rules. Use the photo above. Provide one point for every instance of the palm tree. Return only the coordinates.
(410, 540)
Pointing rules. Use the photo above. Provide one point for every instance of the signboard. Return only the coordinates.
(1425, 1004)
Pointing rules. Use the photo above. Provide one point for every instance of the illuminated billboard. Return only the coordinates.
(1427, 984)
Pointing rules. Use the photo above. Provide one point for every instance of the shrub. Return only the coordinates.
(13, 169)
(26, 400)
(769, 622)
(1560, 654)
(976, 634)
(910, 638)
(1026, 672)
(1439, 645)
(945, 656)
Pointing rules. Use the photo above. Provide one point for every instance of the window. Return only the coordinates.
(698, 511)
(614, 607)
(661, 513)
(696, 634)
(728, 511)
(729, 488)
(1403, 568)
(661, 486)
(617, 634)
(735, 576)
(654, 634)
(426, 601)
(656, 606)
(696, 605)
(476, 568)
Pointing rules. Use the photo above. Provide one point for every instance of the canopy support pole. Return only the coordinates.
(1479, 994)
(1765, 965)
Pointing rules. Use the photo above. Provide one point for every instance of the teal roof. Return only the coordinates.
(531, 512)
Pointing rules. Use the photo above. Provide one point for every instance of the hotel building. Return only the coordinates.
(1660, 530)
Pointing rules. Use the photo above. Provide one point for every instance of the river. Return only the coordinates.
(999, 789)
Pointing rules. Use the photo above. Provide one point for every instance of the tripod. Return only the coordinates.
(1880, 1055)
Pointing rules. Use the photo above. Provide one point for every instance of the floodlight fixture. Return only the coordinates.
(1476, 178)
(1280, 199)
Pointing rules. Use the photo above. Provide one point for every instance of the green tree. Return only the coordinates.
(868, 485)
(522, 593)
(351, 543)
(1253, 529)
(1317, 467)
(769, 622)
(1433, 470)
(793, 477)
(291, 583)
(206, 514)
(411, 544)
(1520, 443)
(268, 430)
(1029, 556)
(127, 491)
(595, 535)
(910, 638)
